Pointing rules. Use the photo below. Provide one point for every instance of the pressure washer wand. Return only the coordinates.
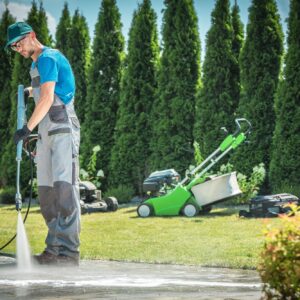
(20, 123)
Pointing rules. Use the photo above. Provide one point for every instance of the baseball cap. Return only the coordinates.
(16, 31)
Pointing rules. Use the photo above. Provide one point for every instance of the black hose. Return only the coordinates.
(28, 207)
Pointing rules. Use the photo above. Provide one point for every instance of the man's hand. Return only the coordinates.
(27, 92)
(21, 134)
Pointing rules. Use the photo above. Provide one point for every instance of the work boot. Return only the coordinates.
(68, 260)
(46, 258)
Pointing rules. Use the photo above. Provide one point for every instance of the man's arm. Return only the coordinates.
(43, 105)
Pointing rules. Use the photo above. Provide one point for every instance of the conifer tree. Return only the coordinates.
(260, 67)
(63, 30)
(6, 62)
(133, 130)
(38, 21)
(285, 160)
(173, 114)
(78, 53)
(238, 32)
(104, 85)
(219, 97)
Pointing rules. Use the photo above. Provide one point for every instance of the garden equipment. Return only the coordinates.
(198, 191)
(269, 206)
(21, 108)
(159, 181)
(92, 201)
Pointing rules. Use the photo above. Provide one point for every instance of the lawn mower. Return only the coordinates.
(91, 199)
(269, 206)
(198, 191)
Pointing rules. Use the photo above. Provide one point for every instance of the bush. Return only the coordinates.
(123, 193)
(7, 195)
(91, 173)
(280, 266)
(250, 186)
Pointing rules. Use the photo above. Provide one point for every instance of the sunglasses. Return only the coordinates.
(16, 46)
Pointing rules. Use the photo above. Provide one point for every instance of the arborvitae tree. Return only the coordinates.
(219, 97)
(104, 84)
(6, 62)
(42, 30)
(285, 160)
(133, 130)
(78, 53)
(260, 67)
(173, 113)
(63, 30)
(38, 21)
(238, 31)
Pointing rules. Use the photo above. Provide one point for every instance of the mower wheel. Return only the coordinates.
(112, 203)
(144, 210)
(190, 210)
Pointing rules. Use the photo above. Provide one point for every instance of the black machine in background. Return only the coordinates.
(269, 206)
(159, 181)
(91, 199)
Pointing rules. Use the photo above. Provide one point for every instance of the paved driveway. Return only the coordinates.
(119, 280)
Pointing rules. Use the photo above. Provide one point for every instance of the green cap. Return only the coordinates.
(16, 31)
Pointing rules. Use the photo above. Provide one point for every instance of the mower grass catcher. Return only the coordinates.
(197, 192)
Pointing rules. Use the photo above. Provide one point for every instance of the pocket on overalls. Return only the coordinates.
(58, 114)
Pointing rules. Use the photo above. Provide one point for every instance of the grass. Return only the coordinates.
(219, 239)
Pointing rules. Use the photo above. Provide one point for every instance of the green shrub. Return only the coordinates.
(280, 265)
(7, 195)
(91, 173)
(123, 193)
(250, 186)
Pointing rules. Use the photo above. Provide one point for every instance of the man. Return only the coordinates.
(53, 90)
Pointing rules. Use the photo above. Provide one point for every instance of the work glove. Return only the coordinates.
(26, 92)
(21, 134)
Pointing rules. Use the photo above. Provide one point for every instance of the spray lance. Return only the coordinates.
(21, 108)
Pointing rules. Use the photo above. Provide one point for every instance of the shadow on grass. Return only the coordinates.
(129, 211)
(223, 212)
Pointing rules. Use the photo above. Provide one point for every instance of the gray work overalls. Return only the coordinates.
(58, 173)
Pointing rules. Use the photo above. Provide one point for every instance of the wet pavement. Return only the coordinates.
(120, 280)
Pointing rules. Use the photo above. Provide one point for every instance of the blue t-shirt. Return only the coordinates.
(53, 66)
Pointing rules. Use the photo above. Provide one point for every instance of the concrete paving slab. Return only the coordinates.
(120, 280)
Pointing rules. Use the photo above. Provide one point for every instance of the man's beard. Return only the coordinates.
(28, 53)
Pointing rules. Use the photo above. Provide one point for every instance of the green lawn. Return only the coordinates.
(217, 239)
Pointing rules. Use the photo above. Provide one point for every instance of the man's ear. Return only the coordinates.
(32, 34)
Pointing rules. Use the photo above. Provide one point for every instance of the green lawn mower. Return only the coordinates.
(198, 191)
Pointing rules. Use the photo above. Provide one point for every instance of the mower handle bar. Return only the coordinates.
(238, 122)
(212, 158)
